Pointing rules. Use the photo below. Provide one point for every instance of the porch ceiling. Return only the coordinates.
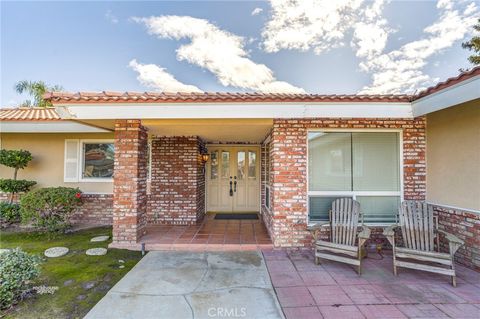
(213, 130)
(210, 130)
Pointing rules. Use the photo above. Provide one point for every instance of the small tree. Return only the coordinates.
(474, 45)
(16, 159)
(36, 89)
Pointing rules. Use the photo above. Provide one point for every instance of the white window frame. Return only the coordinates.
(81, 161)
(354, 194)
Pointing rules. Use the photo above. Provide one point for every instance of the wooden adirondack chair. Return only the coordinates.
(419, 231)
(343, 223)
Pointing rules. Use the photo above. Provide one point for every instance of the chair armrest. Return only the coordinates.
(317, 226)
(315, 229)
(451, 238)
(365, 233)
(390, 230)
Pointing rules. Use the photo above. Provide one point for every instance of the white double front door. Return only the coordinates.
(233, 179)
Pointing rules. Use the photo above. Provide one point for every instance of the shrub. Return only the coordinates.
(16, 159)
(17, 269)
(9, 213)
(15, 186)
(50, 208)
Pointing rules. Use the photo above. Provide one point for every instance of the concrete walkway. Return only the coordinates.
(193, 285)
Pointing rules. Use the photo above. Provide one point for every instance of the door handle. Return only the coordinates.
(231, 190)
(235, 185)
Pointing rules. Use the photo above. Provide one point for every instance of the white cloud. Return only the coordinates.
(310, 24)
(321, 25)
(218, 51)
(111, 17)
(370, 33)
(400, 71)
(157, 78)
(257, 11)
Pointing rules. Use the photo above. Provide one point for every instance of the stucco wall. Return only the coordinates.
(48, 156)
(453, 156)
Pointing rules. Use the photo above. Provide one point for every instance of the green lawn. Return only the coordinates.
(72, 274)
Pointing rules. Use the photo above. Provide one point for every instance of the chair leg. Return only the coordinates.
(317, 260)
(454, 281)
(394, 269)
(360, 262)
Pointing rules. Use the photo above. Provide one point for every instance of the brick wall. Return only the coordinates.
(287, 219)
(177, 194)
(130, 182)
(466, 226)
(96, 209)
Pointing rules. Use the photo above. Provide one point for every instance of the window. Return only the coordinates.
(97, 159)
(88, 160)
(364, 166)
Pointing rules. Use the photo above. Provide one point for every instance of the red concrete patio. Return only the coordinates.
(211, 234)
(334, 290)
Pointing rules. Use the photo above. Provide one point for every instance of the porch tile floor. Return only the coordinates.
(334, 290)
(211, 234)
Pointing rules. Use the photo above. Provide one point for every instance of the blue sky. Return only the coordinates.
(380, 47)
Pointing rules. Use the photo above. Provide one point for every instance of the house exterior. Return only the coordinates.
(140, 158)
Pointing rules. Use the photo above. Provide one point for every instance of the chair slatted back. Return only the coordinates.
(344, 221)
(416, 222)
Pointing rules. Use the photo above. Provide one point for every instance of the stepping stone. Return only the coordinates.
(4, 250)
(96, 251)
(68, 282)
(56, 252)
(88, 285)
(121, 261)
(100, 238)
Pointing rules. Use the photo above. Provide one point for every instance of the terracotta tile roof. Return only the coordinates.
(29, 114)
(220, 97)
(449, 82)
(225, 97)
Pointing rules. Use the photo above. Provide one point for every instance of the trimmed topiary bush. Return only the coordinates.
(16, 159)
(15, 186)
(17, 270)
(9, 213)
(50, 208)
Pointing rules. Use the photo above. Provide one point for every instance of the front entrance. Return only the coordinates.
(233, 179)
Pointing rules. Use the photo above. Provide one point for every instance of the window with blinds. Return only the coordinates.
(360, 165)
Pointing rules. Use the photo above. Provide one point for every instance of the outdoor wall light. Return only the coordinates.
(205, 158)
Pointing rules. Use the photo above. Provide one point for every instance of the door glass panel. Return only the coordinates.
(241, 165)
(214, 165)
(225, 164)
(252, 165)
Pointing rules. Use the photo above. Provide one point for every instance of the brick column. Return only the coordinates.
(178, 181)
(129, 182)
(289, 183)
